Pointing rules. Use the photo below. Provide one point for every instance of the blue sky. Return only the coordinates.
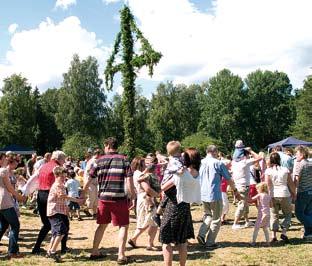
(198, 38)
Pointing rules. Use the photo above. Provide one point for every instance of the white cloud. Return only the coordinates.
(43, 54)
(64, 4)
(241, 35)
(12, 28)
(107, 2)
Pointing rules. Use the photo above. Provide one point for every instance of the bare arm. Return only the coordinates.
(268, 180)
(130, 187)
(291, 185)
(167, 185)
(232, 185)
(11, 189)
(149, 191)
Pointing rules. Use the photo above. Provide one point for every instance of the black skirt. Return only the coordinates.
(176, 225)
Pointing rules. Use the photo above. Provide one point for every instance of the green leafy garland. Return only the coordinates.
(131, 63)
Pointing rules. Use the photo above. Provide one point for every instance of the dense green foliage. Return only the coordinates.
(81, 101)
(223, 106)
(130, 63)
(303, 126)
(18, 114)
(77, 116)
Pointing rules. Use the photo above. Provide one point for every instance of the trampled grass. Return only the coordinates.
(235, 249)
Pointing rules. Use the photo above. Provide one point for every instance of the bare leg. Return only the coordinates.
(51, 244)
(56, 242)
(122, 237)
(183, 253)
(98, 235)
(167, 253)
(152, 230)
(137, 233)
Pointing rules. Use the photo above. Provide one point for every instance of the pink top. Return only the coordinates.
(263, 219)
(56, 204)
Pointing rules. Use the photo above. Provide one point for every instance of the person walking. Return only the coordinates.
(46, 179)
(211, 172)
(114, 176)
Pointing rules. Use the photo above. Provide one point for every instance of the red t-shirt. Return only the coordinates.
(46, 177)
(223, 184)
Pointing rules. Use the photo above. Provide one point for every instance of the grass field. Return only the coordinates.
(235, 250)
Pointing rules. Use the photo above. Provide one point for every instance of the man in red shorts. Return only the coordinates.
(115, 184)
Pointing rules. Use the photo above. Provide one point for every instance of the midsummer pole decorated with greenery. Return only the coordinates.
(130, 64)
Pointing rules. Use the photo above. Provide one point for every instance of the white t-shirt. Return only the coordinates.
(241, 172)
(279, 176)
(188, 188)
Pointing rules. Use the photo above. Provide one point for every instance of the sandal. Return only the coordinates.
(132, 244)
(97, 257)
(125, 261)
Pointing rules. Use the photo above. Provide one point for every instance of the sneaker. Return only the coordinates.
(285, 238)
(252, 244)
(237, 227)
(15, 256)
(274, 240)
(66, 250)
(307, 237)
(213, 246)
(156, 219)
(201, 240)
(249, 224)
(36, 251)
(55, 257)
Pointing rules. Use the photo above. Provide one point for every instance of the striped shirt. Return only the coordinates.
(304, 171)
(111, 170)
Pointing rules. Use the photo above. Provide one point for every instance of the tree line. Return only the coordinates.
(261, 109)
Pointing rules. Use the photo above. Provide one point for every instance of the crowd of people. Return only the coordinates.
(160, 190)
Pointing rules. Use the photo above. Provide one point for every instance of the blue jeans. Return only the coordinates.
(303, 209)
(9, 217)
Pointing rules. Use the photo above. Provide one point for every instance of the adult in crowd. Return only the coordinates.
(281, 187)
(114, 176)
(30, 165)
(286, 160)
(46, 158)
(241, 175)
(143, 213)
(8, 215)
(46, 179)
(303, 177)
(211, 172)
(176, 225)
(92, 192)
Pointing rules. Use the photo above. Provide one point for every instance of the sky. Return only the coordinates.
(197, 38)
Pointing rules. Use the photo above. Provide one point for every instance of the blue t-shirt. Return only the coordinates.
(210, 173)
(72, 186)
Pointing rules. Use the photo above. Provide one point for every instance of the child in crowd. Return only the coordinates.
(57, 211)
(175, 166)
(149, 176)
(73, 186)
(264, 203)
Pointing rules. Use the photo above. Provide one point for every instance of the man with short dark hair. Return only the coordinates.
(114, 176)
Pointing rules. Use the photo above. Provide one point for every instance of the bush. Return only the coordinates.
(201, 141)
(78, 144)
